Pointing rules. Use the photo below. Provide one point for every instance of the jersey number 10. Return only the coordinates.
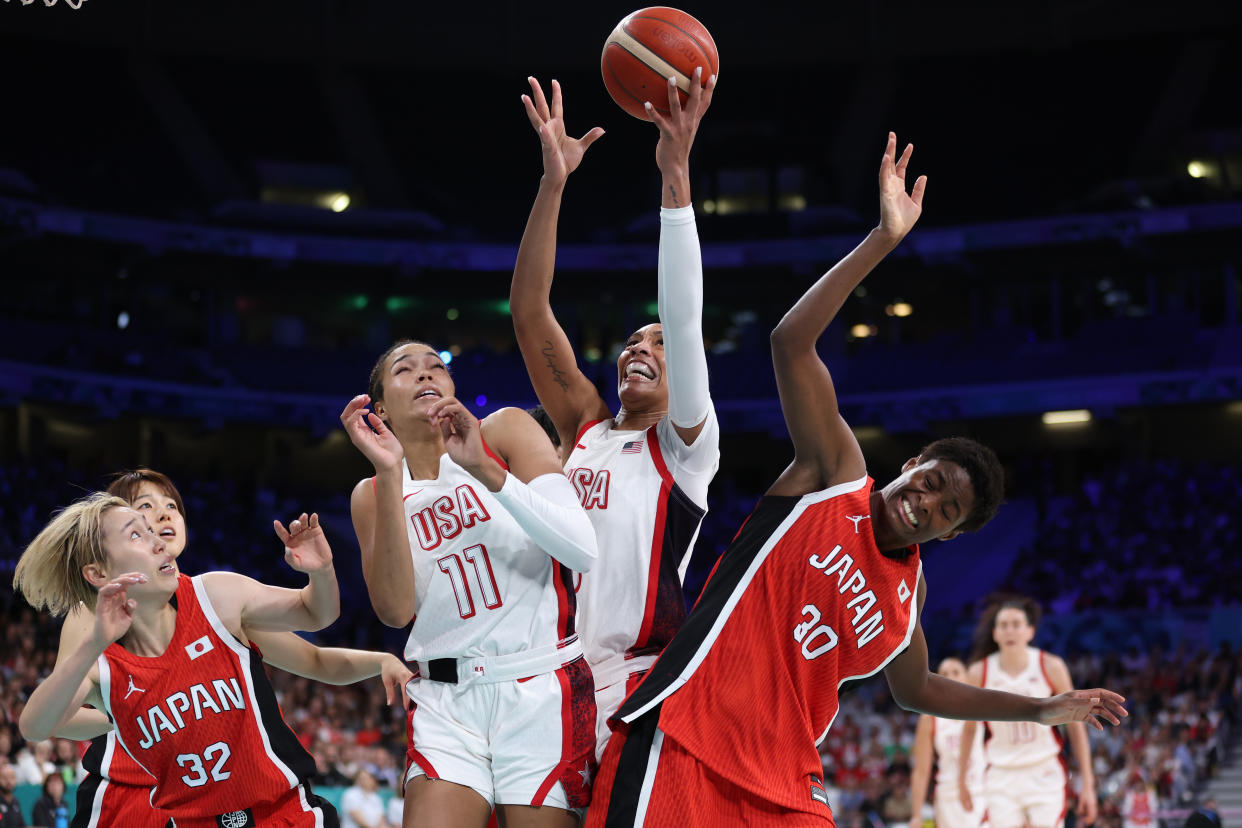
(452, 566)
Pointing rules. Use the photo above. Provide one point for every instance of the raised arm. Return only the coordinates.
(570, 399)
(379, 518)
(920, 768)
(680, 269)
(825, 451)
(1088, 804)
(332, 665)
(74, 678)
(250, 605)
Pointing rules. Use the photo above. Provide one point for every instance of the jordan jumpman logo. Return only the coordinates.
(132, 688)
(857, 519)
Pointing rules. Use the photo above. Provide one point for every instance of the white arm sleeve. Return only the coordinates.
(680, 298)
(548, 510)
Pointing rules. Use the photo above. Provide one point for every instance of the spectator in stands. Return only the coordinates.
(361, 806)
(51, 811)
(10, 809)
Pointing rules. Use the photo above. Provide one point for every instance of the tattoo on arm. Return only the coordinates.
(673, 191)
(557, 374)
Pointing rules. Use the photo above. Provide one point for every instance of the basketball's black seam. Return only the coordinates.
(623, 88)
(697, 42)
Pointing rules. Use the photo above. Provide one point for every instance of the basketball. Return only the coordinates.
(647, 48)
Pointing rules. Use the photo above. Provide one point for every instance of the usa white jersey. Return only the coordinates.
(483, 587)
(645, 493)
(1018, 744)
(947, 739)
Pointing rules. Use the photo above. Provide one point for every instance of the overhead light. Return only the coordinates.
(446, 356)
(709, 206)
(451, 314)
(861, 331)
(1198, 169)
(899, 309)
(1076, 415)
(122, 320)
(339, 203)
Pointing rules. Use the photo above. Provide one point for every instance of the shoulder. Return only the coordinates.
(363, 494)
(1054, 666)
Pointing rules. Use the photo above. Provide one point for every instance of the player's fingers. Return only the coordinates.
(541, 103)
(656, 118)
(557, 108)
(920, 187)
(313, 521)
(531, 114)
(903, 161)
(674, 98)
(708, 91)
(591, 137)
(281, 531)
(890, 150)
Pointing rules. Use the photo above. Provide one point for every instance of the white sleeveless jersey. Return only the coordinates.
(645, 493)
(947, 740)
(483, 587)
(1017, 744)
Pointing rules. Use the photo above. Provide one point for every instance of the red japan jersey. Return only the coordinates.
(202, 718)
(115, 790)
(800, 603)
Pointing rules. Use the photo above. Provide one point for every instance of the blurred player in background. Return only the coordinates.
(471, 530)
(1025, 782)
(641, 473)
(938, 741)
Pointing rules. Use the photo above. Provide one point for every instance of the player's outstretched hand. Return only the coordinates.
(677, 131)
(114, 609)
(561, 154)
(899, 210)
(395, 676)
(368, 432)
(1088, 706)
(306, 546)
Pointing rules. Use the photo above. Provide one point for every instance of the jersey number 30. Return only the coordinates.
(816, 640)
(452, 566)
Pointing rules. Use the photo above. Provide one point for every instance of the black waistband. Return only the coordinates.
(442, 669)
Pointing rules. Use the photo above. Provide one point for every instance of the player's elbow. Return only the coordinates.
(32, 731)
(394, 614)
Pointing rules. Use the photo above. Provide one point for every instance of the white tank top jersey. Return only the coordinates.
(1018, 744)
(483, 587)
(947, 740)
(645, 493)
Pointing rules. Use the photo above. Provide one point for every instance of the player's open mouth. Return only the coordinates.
(168, 568)
(908, 511)
(427, 392)
(639, 369)
(168, 532)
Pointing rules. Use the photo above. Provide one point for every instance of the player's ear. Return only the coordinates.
(951, 535)
(95, 575)
(909, 464)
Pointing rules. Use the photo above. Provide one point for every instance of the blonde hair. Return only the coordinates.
(49, 572)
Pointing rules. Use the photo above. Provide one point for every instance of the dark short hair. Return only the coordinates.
(987, 476)
(125, 485)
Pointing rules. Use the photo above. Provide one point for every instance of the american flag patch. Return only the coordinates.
(632, 447)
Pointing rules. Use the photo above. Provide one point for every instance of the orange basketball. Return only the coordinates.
(648, 47)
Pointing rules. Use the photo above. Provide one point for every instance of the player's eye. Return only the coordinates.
(144, 505)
